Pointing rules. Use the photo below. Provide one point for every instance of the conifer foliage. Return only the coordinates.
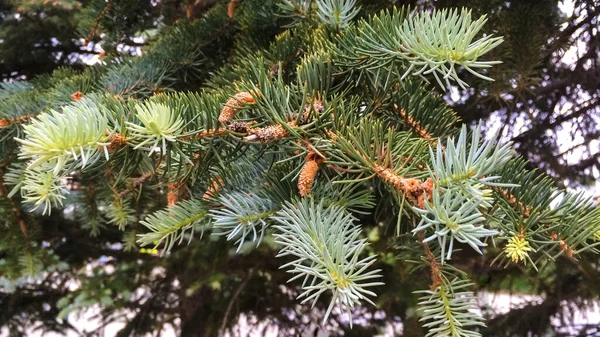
(294, 145)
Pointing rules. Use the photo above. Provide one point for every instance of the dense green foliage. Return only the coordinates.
(164, 184)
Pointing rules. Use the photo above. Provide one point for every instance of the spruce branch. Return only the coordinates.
(414, 107)
(87, 211)
(52, 137)
(576, 220)
(337, 13)
(327, 248)
(13, 88)
(448, 310)
(232, 300)
(371, 148)
(433, 43)
(453, 217)
(439, 41)
(414, 125)
(414, 190)
(42, 188)
(242, 217)
(295, 10)
(315, 72)
(170, 226)
(353, 198)
(459, 172)
(15, 176)
(119, 212)
(159, 126)
(31, 264)
(135, 183)
(552, 222)
(468, 166)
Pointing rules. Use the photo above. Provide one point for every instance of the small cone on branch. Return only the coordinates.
(227, 114)
(309, 172)
(307, 176)
(231, 8)
(172, 195)
(233, 104)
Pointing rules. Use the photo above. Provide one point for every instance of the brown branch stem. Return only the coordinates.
(92, 32)
(235, 296)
